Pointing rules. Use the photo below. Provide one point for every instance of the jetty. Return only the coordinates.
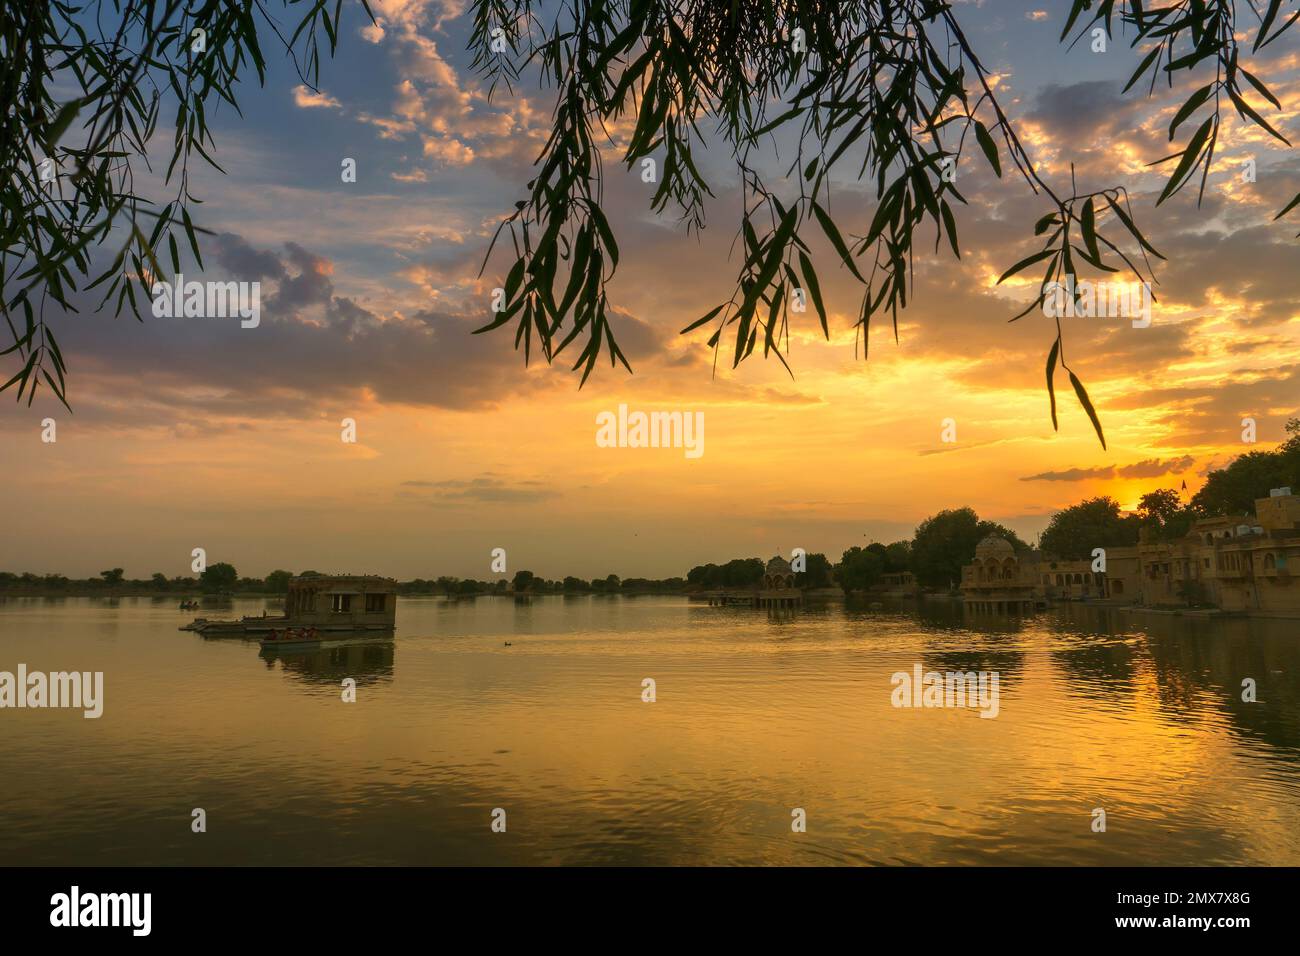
(777, 589)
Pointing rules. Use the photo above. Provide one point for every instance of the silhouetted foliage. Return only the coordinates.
(219, 577)
(1234, 489)
(889, 92)
(945, 542)
(1073, 532)
(859, 569)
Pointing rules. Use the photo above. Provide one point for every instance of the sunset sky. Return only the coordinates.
(198, 433)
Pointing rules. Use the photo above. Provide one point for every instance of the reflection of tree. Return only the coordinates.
(1095, 655)
(955, 616)
(1200, 664)
(1007, 663)
(368, 662)
(1109, 666)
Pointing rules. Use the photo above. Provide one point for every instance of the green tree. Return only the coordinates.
(218, 578)
(743, 572)
(277, 582)
(159, 581)
(112, 578)
(1233, 490)
(859, 569)
(572, 584)
(1159, 507)
(1164, 513)
(945, 542)
(817, 574)
(524, 580)
(1073, 532)
(898, 557)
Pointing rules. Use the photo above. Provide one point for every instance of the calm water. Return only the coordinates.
(755, 716)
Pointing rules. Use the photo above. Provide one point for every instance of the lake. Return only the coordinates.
(754, 717)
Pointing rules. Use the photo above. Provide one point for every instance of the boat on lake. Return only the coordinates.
(349, 602)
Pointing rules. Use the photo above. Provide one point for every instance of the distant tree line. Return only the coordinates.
(529, 583)
(935, 555)
(218, 578)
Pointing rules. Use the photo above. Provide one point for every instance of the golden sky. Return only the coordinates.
(195, 432)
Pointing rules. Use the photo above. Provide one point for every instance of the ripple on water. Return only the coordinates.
(754, 717)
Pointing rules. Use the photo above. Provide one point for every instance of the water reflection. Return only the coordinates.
(368, 661)
(756, 713)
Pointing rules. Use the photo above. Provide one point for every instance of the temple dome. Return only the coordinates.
(778, 565)
(994, 546)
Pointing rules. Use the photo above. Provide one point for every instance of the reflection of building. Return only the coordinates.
(778, 588)
(341, 603)
(1233, 564)
(364, 658)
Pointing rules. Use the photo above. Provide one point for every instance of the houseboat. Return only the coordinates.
(338, 603)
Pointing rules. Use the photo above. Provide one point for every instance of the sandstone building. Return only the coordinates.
(1234, 564)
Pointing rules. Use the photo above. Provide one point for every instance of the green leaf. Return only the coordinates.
(1189, 107)
(990, 148)
(1259, 85)
(1088, 221)
(1086, 402)
(1190, 155)
(814, 289)
(1273, 7)
(61, 122)
(1142, 67)
(833, 234)
(1288, 207)
(1131, 226)
(1026, 263)
(950, 224)
(1051, 373)
(704, 319)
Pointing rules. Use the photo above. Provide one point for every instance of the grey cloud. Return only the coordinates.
(1150, 468)
(484, 489)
